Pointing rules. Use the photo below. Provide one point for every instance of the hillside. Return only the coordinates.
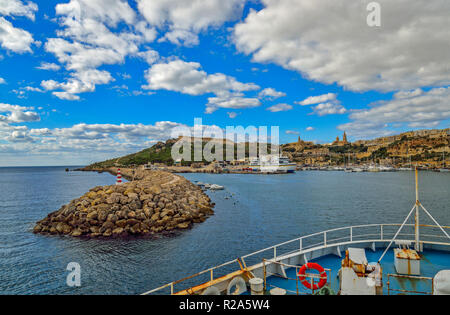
(161, 153)
(425, 147)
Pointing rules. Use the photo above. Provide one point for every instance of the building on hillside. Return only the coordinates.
(344, 141)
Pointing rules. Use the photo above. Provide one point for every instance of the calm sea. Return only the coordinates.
(255, 211)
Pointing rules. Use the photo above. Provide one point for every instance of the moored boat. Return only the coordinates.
(272, 164)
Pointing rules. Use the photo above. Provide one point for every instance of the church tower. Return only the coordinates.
(344, 138)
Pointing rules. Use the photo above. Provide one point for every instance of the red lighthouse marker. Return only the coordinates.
(119, 177)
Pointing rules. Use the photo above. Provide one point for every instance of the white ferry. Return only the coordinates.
(272, 164)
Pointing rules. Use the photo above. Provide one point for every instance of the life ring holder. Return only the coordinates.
(211, 291)
(306, 283)
(239, 283)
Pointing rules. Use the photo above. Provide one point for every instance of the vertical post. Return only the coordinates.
(416, 217)
(381, 231)
(275, 253)
(171, 288)
(301, 244)
(351, 234)
(325, 238)
(264, 269)
(212, 274)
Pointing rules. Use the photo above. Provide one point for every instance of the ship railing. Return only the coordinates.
(409, 277)
(368, 233)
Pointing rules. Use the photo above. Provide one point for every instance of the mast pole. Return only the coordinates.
(416, 217)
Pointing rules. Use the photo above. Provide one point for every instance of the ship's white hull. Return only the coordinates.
(283, 168)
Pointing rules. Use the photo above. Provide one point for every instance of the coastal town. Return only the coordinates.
(424, 149)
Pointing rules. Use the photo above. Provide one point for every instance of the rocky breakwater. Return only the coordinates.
(157, 203)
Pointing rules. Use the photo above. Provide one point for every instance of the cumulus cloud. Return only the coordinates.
(18, 8)
(279, 108)
(17, 114)
(189, 78)
(329, 109)
(14, 39)
(48, 66)
(232, 115)
(417, 108)
(183, 20)
(292, 132)
(91, 36)
(2, 81)
(19, 136)
(327, 104)
(271, 93)
(82, 82)
(318, 99)
(86, 142)
(408, 51)
(229, 101)
(310, 128)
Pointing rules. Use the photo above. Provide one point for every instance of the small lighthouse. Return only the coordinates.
(119, 177)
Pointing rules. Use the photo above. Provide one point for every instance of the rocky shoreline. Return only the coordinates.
(155, 202)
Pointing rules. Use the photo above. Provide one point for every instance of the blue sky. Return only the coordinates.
(82, 80)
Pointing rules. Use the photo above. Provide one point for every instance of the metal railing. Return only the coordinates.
(312, 242)
(417, 278)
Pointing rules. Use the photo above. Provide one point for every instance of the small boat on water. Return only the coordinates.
(210, 186)
(216, 187)
(371, 259)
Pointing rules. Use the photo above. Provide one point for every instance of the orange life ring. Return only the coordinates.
(306, 283)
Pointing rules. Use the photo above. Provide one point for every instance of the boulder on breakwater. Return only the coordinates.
(157, 203)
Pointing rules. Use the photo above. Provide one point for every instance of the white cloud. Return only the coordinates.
(150, 56)
(230, 101)
(329, 109)
(185, 19)
(18, 8)
(17, 114)
(14, 39)
(310, 128)
(2, 81)
(292, 132)
(49, 66)
(329, 41)
(82, 82)
(82, 143)
(411, 108)
(327, 104)
(189, 78)
(33, 89)
(19, 136)
(110, 12)
(232, 115)
(279, 108)
(318, 99)
(92, 36)
(181, 37)
(271, 93)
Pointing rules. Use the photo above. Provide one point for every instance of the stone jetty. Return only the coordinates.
(155, 202)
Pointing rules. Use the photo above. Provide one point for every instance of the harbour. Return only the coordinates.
(261, 210)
